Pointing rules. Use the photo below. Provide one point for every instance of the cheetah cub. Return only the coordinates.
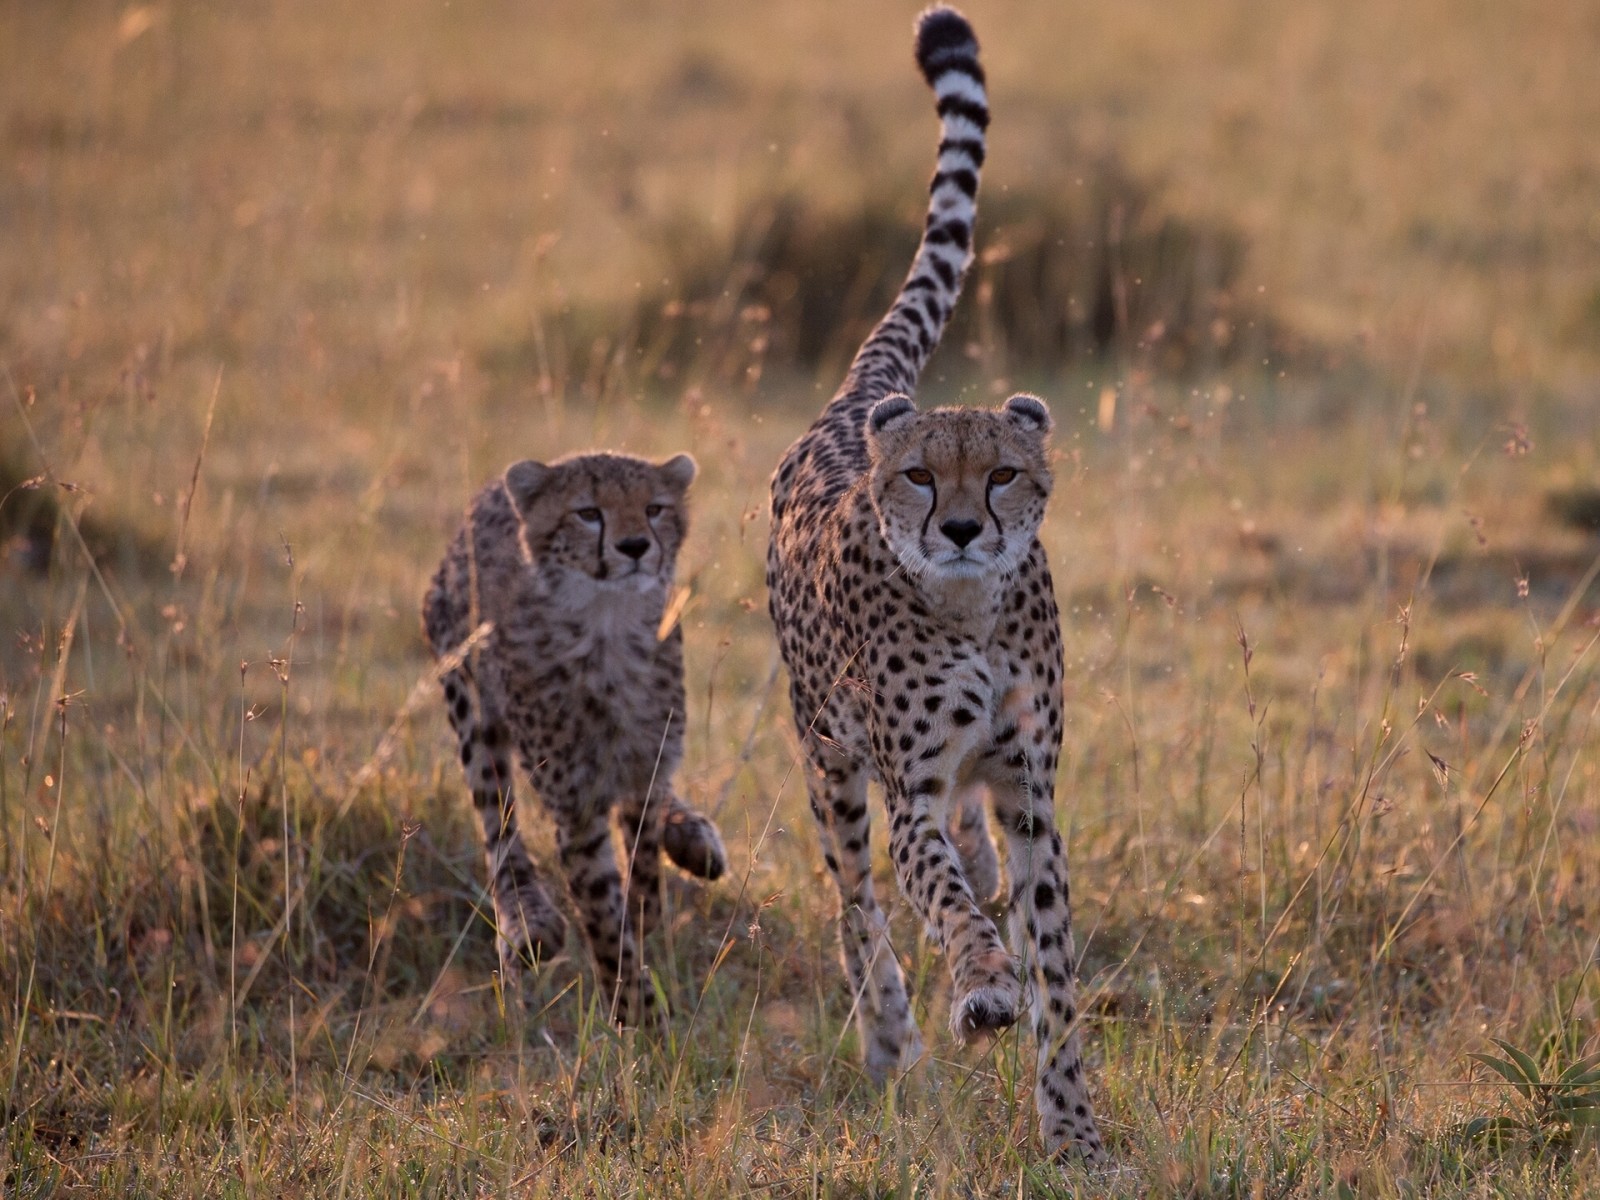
(915, 614)
(572, 565)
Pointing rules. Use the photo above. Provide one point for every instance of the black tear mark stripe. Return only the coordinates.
(988, 503)
(933, 506)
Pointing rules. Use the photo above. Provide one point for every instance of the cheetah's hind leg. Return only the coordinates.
(969, 834)
(692, 842)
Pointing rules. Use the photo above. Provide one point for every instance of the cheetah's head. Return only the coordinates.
(959, 492)
(611, 517)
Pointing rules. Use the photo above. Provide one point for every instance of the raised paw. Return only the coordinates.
(693, 843)
(530, 928)
(992, 1000)
(983, 1011)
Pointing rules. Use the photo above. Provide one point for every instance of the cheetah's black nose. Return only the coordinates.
(634, 547)
(961, 532)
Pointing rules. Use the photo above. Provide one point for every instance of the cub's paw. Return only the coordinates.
(638, 1006)
(891, 1051)
(693, 843)
(530, 928)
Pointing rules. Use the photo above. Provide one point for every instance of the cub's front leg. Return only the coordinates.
(528, 926)
(583, 837)
(640, 821)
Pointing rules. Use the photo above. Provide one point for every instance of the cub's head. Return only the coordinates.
(959, 492)
(611, 517)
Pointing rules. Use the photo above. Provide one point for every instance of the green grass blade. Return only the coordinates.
(1507, 1070)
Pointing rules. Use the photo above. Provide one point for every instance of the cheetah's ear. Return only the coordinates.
(1030, 411)
(889, 412)
(525, 480)
(678, 472)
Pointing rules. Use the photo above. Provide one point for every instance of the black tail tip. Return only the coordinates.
(943, 35)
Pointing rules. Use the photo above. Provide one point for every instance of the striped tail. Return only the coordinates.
(892, 358)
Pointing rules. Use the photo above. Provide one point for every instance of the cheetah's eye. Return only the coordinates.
(654, 510)
(920, 476)
(589, 514)
(1003, 475)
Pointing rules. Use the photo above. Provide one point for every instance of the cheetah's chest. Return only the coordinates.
(923, 676)
(592, 686)
(590, 662)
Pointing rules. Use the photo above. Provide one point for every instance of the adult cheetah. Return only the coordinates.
(915, 614)
(572, 565)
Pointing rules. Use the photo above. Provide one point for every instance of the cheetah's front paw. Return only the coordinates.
(693, 843)
(891, 1051)
(531, 929)
(991, 1002)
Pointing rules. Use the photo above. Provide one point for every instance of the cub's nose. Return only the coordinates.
(634, 547)
(961, 532)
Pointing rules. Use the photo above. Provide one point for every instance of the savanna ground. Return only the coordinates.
(1315, 293)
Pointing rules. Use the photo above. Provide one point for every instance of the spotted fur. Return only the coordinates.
(915, 614)
(572, 565)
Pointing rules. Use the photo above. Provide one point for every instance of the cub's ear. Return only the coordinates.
(525, 480)
(1030, 411)
(887, 413)
(678, 472)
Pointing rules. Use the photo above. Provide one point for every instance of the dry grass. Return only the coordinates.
(282, 285)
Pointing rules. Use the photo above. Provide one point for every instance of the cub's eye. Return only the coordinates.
(920, 476)
(589, 514)
(1002, 475)
(654, 510)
